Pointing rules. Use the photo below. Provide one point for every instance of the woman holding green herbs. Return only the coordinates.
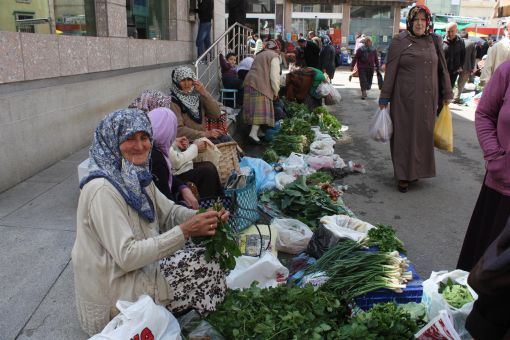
(131, 240)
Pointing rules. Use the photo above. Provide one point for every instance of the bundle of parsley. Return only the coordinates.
(279, 313)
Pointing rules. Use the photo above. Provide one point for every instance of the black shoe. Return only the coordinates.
(253, 141)
(350, 78)
(403, 186)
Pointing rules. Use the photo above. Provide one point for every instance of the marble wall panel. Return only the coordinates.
(98, 54)
(40, 56)
(11, 57)
(117, 22)
(73, 54)
(119, 53)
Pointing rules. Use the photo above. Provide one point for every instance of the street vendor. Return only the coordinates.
(301, 84)
(130, 239)
(191, 103)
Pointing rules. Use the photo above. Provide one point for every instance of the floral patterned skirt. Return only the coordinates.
(196, 283)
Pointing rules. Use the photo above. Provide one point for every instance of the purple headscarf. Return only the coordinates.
(164, 132)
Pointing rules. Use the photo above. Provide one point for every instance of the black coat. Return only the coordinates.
(327, 60)
(490, 278)
(236, 12)
(205, 10)
(160, 175)
(455, 53)
(312, 55)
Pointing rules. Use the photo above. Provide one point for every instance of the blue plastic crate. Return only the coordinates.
(412, 293)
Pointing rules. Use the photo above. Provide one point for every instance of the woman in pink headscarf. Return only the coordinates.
(204, 174)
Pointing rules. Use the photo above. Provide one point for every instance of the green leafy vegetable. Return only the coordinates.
(383, 237)
(318, 178)
(306, 203)
(455, 294)
(382, 321)
(284, 145)
(297, 127)
(327, 122)
(222, 246)
(270, 156)
(279, 313)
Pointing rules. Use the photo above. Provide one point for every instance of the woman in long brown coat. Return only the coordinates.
(416, 77)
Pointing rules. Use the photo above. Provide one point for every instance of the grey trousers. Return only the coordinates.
(461, 82)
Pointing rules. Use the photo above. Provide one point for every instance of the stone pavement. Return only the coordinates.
(37, 222)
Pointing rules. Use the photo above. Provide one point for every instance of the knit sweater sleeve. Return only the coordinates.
(182, 129)
(210, 106)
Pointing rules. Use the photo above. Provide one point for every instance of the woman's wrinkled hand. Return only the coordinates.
(189, 198)
(214, 133)
(223, 214)
(199, 87)
(203, 224)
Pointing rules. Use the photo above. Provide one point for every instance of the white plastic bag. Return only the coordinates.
(323, 89)
(293, 235)
(342, 226)
(295, 165)
(434, 301)
(320, 162)
(142, 319)
(282, 179)
(381, 127)
(322, 148)
(439, 328)
(266, 270)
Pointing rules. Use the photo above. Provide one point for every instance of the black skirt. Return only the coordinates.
(366, 76)
(205, 176)
(488, 220)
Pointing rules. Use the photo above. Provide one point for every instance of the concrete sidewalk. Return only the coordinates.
(38, 224)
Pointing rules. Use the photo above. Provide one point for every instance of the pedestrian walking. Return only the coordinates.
(366, 60)
(416, 76)
(454, 52)
(469, 66)
(261, 87)
(205, 12)
(360, 41)
(327, 57)
(492, 122)
(311, 53)
(496, 55)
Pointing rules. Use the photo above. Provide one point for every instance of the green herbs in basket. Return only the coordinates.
(222, 246)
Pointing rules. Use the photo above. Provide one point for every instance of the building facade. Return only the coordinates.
(87, 58)
(340, 18)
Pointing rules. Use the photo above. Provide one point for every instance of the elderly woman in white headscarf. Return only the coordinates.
(191, 103)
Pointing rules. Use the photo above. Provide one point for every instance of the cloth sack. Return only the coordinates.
(293, 235)
(381, 127)
(211, 154)
(434, 301)
(443, 130)
(142, 319)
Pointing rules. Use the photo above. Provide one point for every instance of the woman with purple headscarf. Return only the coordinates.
(203, 175)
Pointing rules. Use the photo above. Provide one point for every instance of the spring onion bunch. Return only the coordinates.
(354, 271)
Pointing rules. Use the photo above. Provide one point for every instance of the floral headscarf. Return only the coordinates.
(164, 128)
(271, 45)
(150, 100)
(411, 16)
(190, 100)
(106, 160)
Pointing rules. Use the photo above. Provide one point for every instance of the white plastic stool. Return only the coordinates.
(228, 95)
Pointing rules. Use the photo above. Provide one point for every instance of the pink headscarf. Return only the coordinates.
(164, 132)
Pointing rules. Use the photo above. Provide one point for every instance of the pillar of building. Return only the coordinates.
(287, 17)
(111, 18)
(346, 22)
(396, 18)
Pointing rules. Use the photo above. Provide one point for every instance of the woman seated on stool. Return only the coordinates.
(132, 240)
(166, 158)
(191, 103)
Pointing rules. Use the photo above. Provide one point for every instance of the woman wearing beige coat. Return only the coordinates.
(130, 239)
(416, 77)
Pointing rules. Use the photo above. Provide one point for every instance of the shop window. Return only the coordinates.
(317, 8)
(261, 6)
(148, 19)
(75, 17)
(375, 21)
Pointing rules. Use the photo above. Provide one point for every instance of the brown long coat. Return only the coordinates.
(412, 85)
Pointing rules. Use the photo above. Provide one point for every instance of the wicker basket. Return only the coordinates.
(229, 160)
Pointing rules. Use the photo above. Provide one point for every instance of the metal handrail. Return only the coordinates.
(207, 66)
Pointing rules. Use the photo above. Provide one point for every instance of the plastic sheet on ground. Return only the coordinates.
(264, 173)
